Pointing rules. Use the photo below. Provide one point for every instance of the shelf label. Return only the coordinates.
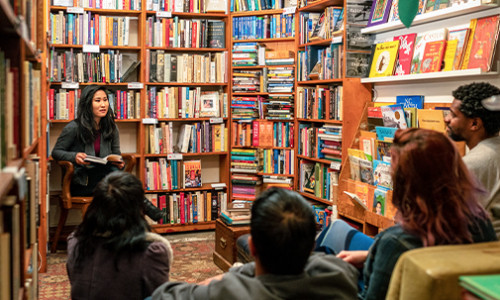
(174, 156)
(70, 85)
(163, 14)
(91, 48)
(218, 185)
(335, 165)
(289, 10)
(135, 85)
(75, 10)
(337, 39)
(216, 120)
(149, 121)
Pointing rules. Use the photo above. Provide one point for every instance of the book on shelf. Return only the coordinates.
(405, 53)
(433, 56)
(416, 101)
(384, 59)
(216, 6)
(449, 55)
(380, 200)
(366, 171)
(356, 200)
(461, 35)
(112, 158)
(216, 33)
(383, 149)
(386, 133)
(431, 119)
(394, 116)
(420, 41)
(382, 173)
(192, 173)
(484, 42)
(468, 45)
(411, 116)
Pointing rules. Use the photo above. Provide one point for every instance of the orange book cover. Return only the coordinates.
(468, 46)
(483, 43)
(266, 134)
(433, 56)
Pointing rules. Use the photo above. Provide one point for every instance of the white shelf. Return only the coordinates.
(436, 15)
(427, 76)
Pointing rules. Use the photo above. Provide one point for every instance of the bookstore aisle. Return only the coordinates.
(218, 100)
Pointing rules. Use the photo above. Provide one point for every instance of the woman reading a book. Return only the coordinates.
(437, 203)
(113, 254)
(92, 133)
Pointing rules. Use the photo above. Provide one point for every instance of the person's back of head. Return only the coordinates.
(471, 97)
(116, 214)
(283, 229)
(436, 197)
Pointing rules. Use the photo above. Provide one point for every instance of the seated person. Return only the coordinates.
(93, 132)
(282, 237)
(437, 201)
(112, 254)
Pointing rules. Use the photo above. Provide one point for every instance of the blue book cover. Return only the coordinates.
(394, 116)
(385, 133)
(379, 200)
(410, 101)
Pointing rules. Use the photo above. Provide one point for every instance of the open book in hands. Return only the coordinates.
(112, 158)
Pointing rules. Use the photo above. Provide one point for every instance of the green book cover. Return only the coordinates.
(485, 286)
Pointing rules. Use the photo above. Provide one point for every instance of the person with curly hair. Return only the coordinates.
(479, 127)
(437, 203)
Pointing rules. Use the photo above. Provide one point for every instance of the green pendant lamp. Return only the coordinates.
(407, 11)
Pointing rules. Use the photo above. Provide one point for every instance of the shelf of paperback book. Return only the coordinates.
(436, 15)
(262, 147)
(168, 228)
(188, 49)
(322, 81)
(262, 67)
(250, 94)
(275, 40)
(188, 154)
(320, 121)
(100, 10)
(448, 75)
(116, 120)
(204, 187)
(187, 119)
(317, 199)
(276, 175)
(92, 83)
(320, 160)
(319, 6)
(193, 15)
(186, 84)
(256, 13)
(101, 47)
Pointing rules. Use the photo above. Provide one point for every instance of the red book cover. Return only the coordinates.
(182, 209)
(433, 56)
(255, 134)
(71, 107)
(51, 104)
(162, 205)
(483, 43)
(405, 53)
(193, 34)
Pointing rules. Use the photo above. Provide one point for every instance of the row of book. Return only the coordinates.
(318, 179)
(187, 6)
(77, 66)
(63, 104)
(279, 80)
(246, 108)
(319, 25)
(248, 54)
(189, 207)
(278, 161)
(192, 138)
(163, 174)
(320, 102)
(92, 29)
(188, 68)
(457, 48)
(246, 160)
(185, 102)
(102, 4)
(262, 134)
(248, 81)
(255, 5)
(185, 33)
(320, 62)
(264, 27)
(278, 107)
(321, 142)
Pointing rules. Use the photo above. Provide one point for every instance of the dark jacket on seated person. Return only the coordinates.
(325, 277)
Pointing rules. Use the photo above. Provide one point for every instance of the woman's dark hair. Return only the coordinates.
(436, 197)
(283, 230)
(115, 218)
(85, 116)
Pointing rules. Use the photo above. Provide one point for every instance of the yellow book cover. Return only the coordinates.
(384, 59)
(465, 60)
(431, 119)
(217, 138)
(449, 55)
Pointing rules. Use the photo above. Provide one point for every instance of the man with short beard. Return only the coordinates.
(479, 127)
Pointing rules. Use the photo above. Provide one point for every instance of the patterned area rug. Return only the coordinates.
(193, 263)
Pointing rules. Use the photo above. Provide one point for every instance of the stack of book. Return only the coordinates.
(246, 108)
(245, 160)
(280, 80)
(245, 54)
(278, 107)
(330, 142)
(246, 81)
(238, 213)
(277, 181)
(245, 186)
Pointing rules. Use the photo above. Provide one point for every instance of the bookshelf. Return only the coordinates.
(21, 173)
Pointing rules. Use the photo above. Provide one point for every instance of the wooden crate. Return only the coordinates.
(225, 243)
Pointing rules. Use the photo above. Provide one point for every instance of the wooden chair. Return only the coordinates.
(68, 202)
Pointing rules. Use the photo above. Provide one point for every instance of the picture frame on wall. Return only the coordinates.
(380, 12)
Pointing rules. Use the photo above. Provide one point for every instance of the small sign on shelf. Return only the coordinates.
(174, 156)
(335, 165)
(135, 85)
(163, 14)
(90, 48)
(150, 121)
(216, 120)
(70, 85)
(75, 10)
(218, 186)
(289, 10)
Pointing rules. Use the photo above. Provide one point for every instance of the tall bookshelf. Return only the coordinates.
(137, 98)
(21, 172)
